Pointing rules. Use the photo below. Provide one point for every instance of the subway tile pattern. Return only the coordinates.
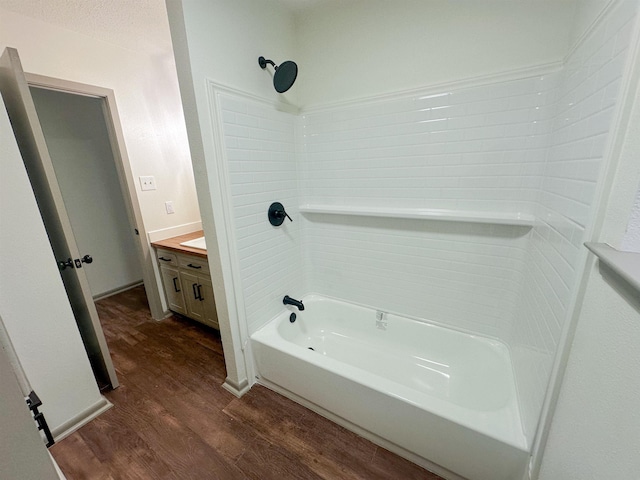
(584, 112)
(260, 151)
(476, 148)
(480, 148)
(465, 276)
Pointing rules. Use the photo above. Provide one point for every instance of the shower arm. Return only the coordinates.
(263, 63)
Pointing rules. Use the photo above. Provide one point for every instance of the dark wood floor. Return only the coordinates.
(172, 420)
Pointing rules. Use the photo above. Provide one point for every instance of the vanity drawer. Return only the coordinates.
(193, 264)
(166, 257)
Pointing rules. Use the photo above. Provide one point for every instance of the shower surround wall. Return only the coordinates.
(585, 108)
(531, 145)
(479, 148)
(260, 154)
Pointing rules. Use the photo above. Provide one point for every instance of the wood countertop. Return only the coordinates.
(173, 243)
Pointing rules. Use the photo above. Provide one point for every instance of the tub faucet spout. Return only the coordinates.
(287, 300)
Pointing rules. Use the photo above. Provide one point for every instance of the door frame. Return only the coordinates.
(123, 169)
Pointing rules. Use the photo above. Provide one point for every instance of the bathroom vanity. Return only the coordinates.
(186, 279)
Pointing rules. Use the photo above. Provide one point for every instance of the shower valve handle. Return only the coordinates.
(282, 213)
(277, 214)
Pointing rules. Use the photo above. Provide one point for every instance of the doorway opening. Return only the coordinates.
(84, 141)
(77, 137)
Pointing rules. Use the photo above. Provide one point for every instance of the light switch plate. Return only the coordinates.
(148, 183)
(169, 207)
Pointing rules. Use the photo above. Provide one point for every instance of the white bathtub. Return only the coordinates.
(437, 396)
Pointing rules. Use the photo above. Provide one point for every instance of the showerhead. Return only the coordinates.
(285, 73)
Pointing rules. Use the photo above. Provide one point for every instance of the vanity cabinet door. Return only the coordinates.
(173, 289)
(210, 316)
(192, 295)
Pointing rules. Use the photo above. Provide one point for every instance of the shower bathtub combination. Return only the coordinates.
(439, 397)
(458, 209)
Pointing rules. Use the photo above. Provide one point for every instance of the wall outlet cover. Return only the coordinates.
(147, 183)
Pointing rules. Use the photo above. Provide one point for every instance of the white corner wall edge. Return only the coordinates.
(81, 419)
(466, 216)
(164, 233)
(57, 468)
(625, 264)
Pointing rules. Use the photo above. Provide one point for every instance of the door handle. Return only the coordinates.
(200, 293)
(197, 267)
(175, 284)
(64, 264)
(196, 295)
(87, 259)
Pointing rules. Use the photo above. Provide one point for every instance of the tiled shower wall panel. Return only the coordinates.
(459, 275)
(480, 148)
(260, 150)
(588, 91)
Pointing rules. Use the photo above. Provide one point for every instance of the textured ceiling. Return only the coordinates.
(133, 24)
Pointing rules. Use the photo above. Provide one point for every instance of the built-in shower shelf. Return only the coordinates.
(445, 215)
(625, 264)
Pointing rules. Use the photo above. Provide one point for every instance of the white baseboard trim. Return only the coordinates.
(84, 417)
(381, 442)
(235, 389)
(164, 233)
(115, 291)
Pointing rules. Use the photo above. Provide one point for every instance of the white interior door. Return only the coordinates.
(33, 148)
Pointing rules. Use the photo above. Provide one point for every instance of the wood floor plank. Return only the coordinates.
(172, 420)
(113, 442)
(326, 448)
(265, 461)
(78, 461)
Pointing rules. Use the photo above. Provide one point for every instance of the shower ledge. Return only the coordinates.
(445, 215)
(625, 264)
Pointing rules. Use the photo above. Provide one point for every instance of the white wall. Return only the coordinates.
(631, 240)
(33, 303)
(22, 452)
(78, 142)
(362, 48)
(585, 14)
(148, 101)
(149, 107)
(595, 429)
(220, 41)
